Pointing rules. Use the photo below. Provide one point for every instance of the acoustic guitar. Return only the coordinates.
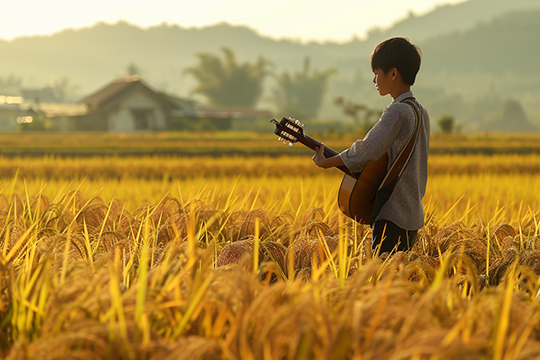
(356, 195)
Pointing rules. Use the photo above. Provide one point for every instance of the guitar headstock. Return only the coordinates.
(289, 130)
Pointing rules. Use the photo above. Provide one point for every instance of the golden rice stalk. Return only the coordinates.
(75, 200)
(39, 203)
(16, 207)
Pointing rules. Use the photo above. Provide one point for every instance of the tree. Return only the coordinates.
(10, 81)
(63, 89)
(512, 117)
(300, 94)
(132, 69)
(354, 110)
(446, 123)
(225, 82)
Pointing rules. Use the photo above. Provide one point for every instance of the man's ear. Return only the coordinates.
(394, 73)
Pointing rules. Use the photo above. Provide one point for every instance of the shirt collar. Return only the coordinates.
(403, 96)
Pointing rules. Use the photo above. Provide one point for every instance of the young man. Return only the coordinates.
(395, 63)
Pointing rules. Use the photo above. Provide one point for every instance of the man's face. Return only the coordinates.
(382, 81)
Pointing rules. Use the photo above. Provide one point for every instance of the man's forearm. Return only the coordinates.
(333, 161)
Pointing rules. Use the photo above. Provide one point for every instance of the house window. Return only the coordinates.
(142, 118)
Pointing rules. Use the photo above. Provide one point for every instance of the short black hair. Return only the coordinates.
(398, 53)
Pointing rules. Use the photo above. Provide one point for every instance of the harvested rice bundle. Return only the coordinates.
(195, 347)
(312, 213)
(419, 269)
(531, 259)
(39, 203)
(106, 241)
(9, 238)
(59, 246)
(475, 249)
(74, 199)
(242, 224)
(57, 218)
(233, 252)
(284, 228)
(168, 207)
(268, 251)
(510, 243)
(125, 250)
(425, 241)
(127, 224)
(533, 242)
(502, 231)
(449, 235)
(95, 217)
(4, 208)
(305, 251)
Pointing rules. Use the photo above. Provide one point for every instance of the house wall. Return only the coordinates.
(122, 119)
(8, 116)
(63, 123)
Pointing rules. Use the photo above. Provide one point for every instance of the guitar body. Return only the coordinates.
(356, 197)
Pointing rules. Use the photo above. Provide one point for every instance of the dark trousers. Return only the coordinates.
(388, 237)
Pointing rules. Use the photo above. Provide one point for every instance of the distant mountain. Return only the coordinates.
(91, 56)
(447, 19)
(94, 55)
(470, 50)
(507, 44)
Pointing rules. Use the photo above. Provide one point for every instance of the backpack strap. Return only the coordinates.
(389, 182)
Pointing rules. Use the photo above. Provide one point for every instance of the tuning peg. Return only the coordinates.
(291, 144)
(280, 138)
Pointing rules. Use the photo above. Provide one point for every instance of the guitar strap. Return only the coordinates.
(390, 180)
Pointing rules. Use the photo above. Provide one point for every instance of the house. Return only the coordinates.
(10, 109)
(126, 104)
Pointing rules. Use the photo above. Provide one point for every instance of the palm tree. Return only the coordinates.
(10, 81)
(300, 94)
(225, 82)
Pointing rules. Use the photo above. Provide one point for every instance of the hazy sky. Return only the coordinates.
(299, 19)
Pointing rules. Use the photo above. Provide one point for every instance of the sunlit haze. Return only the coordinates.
(297, 19)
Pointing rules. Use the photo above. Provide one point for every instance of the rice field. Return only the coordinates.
(171, 257)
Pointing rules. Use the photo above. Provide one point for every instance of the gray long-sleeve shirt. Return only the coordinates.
(390, 134)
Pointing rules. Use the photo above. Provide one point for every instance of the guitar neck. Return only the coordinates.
(328, 152)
